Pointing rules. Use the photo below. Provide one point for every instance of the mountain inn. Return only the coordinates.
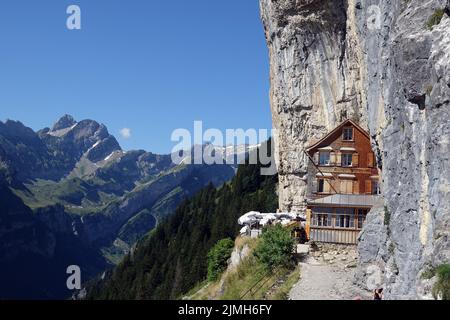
(343, 184)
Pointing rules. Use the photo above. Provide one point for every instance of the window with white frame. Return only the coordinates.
(348, 134)
(324, 159)
(347, 159)
(322, 217)
(344, 218)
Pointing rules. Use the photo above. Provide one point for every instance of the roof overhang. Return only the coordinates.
(347, 176)
(324, 175)
(345, 200)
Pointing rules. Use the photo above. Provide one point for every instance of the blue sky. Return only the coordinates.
(151, 66)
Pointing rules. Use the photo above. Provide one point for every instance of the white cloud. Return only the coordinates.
(125, 133)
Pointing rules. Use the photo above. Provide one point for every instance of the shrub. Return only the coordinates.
(428, 273)
(391, 248)
(218, 257)
(442, 287)
(435, 19)
(275, 247)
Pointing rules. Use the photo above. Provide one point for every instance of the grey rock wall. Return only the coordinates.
(381, 63)
(315, 78)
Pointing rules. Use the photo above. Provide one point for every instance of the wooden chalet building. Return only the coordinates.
(343, 184)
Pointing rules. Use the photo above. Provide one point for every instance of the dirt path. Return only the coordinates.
(328, 276)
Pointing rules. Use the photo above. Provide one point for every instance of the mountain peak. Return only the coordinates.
(64, 122)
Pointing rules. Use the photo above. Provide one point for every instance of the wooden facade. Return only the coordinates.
(342, 163)
(335, 224)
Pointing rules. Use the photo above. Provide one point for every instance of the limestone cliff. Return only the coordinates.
(316, 81)
(385, 64)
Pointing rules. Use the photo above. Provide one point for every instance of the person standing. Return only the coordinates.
(378, 294)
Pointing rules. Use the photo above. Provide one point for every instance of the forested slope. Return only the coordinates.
(173, 258)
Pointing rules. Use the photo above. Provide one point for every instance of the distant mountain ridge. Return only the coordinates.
(53, 153)
(75, 187)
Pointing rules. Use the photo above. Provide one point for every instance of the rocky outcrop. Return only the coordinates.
(64, 122)
(383, 63)
(22, 152)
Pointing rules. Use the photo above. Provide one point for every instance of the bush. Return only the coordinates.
(435, 19)
(442, 287)
(218, 257)
(428, 273)
(275, 247)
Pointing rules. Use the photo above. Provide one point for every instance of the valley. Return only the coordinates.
(75, 185)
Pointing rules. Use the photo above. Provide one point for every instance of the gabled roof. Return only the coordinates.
(339, 127)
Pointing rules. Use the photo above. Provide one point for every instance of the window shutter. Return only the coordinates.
(355, 160)
(370, 160)
(316, 158)
(333, 158)
(368, 187)
(338, 159)
(356, 187)
(326, 186)
(346, 187)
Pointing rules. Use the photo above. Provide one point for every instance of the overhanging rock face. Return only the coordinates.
(316, 81)
(384, 64)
